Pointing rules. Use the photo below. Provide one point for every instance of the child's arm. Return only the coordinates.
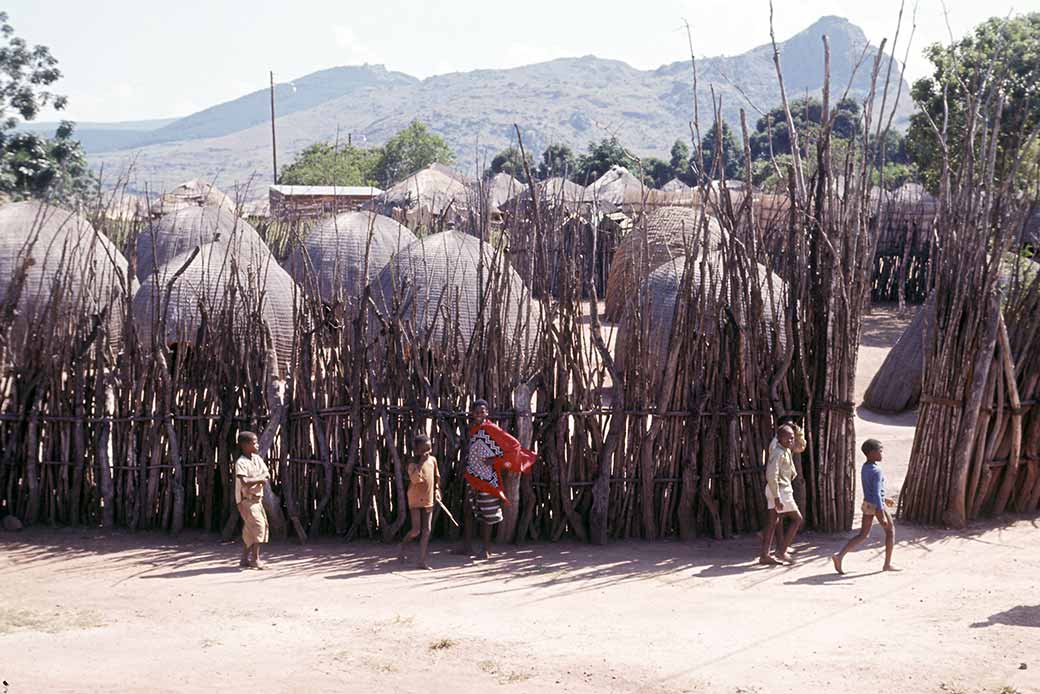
(799, 439)
(773, 478)
(436, 480)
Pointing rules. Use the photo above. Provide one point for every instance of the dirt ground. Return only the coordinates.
(87, 611)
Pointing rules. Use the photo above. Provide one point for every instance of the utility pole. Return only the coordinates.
(274, 142)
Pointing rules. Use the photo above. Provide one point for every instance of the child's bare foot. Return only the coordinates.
(767, 560)
(485, 554)
(785, 559)
(258, 565)
(243, 563)
(889, 567)
(837, 563)
(425, 565)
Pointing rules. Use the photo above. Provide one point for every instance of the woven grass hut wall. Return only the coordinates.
(341, 255)
(896, 387)
(437, 288)
(661, 235)
(193, 193)
(213, 284)
(177, 232)
(55, 267)
(552, 193)
(424, 198)
(907, 218)
(648, 317)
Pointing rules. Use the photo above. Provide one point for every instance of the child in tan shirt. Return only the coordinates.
(424, 490)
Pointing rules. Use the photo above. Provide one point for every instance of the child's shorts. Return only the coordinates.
(786, 498)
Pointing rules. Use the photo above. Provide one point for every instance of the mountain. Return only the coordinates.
(569, 100)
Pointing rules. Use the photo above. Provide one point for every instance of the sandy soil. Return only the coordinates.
(84, 611)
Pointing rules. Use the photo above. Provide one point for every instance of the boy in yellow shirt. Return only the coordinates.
(424, 490)
(251, 474)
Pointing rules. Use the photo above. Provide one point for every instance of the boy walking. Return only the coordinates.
(424, 490)
(874, 506)
(251, 474)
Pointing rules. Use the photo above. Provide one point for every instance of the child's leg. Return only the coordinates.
(864, 531)
(467, 524)
(413, 531)
(767, 538)
(246, 552)
(485, 538)
(425, 525)
(792, 530)
(890, 541)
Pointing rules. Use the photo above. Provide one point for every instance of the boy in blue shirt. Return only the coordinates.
(874, 506)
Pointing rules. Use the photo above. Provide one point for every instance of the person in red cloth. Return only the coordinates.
(490, 451)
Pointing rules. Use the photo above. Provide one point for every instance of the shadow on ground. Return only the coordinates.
(579, 567)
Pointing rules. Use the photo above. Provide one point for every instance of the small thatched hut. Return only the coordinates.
(181, 230)
(665, 233)
(225, 288)
(435, 287)
(556, 192)
(54, 264)
(342, 254)
(675, 186)
(896, 387)
(193, 193)
(426, 196)
(661, 291)
(502, 188)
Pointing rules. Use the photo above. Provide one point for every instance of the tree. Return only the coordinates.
(325, 164)
(557, 160)
(1006, 52)
(807, 115)
(732, 153)
(411, 150)
(509, 161)
(600, 157)
(32, 165)
(656, 172)
(680, 162)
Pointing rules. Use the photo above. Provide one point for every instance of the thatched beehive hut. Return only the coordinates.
(54, 264)
(436, 284)
(193, 193)
(660, 292)
(331, 260)
(556, 192)
(175, 233)
(425, 196)
(224, 288)
(664, 234)
(896, 387)
(501, 188)
(675, 186)
(615, 189)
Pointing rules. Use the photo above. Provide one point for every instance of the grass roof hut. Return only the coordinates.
(896, 387)
(664, 234)
(675, 186)
(55, 266)
(555, 193)
(660, 293)
(435, 287)
(193, 193)
(426, 196)
(341, 255)
(501, 188)
(215, 288)
(179, 231)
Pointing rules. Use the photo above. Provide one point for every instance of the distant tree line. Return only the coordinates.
(410, 150)
(1005, 50)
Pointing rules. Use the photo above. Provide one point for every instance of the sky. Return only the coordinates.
(132, 60)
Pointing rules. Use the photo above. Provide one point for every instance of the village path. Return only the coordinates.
(82, 610)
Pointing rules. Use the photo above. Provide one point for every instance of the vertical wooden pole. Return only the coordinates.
(274, 141)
